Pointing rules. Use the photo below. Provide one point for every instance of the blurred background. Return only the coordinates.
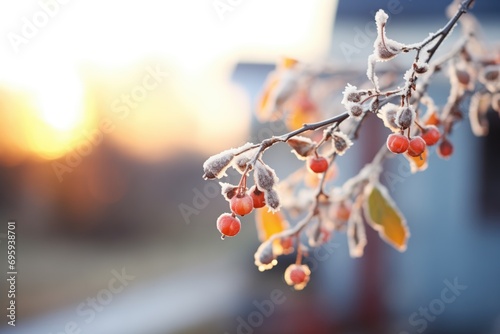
(108, 110)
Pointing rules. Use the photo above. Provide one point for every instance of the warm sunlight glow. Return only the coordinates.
(116, 38)
(59, 101)
(52, 117)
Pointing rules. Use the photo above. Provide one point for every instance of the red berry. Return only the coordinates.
(297, 275)
(431, 135)
(341, 211)
(317, 164)
(257, 197)
(286, 245)
(445, 149)
(397, 143)
(228, 225)
(416, 147)
(241, 204)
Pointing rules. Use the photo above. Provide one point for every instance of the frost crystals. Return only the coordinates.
(388, 114)
(405, 117)
(266, 180)
(215, 167)
(340, 142)
(352, 101)
(302, 146)
(384, 49)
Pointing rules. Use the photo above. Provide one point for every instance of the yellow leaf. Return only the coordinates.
(419, 163)
(432, 118)
(287, 62)
(298, 117)
(264, 107)
(383, 215)
(269, 223)
(302, 110)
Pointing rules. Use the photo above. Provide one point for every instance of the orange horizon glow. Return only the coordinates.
(89, 54)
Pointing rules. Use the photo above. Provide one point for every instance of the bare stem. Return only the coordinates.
(443, 33)
(373, 169)
(313, 126)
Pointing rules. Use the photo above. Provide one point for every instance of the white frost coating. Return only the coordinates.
(227, 190)
(299, 201)
(265, 176)
(407, 75)
(241, 160)
(406, 78)
(286, 194)
(478, 107)
(305, 197)
(337, 194)
(370, 71)
(388, 114)
(351, 99)
(405, 117)
(302, 146)
(384, 48)
(421, 66)
(349, 89)
(264, 257)
(381, 18)
(495, 102)
(216, 165)
(272, 200)
(243, 147)
(354, 110)
(490, 77)
(320, 231)
(341, 142)
(356, 234)
(391, 46)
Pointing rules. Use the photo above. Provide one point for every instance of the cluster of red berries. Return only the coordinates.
(415, 146)
(241, 204)
(399, 143)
